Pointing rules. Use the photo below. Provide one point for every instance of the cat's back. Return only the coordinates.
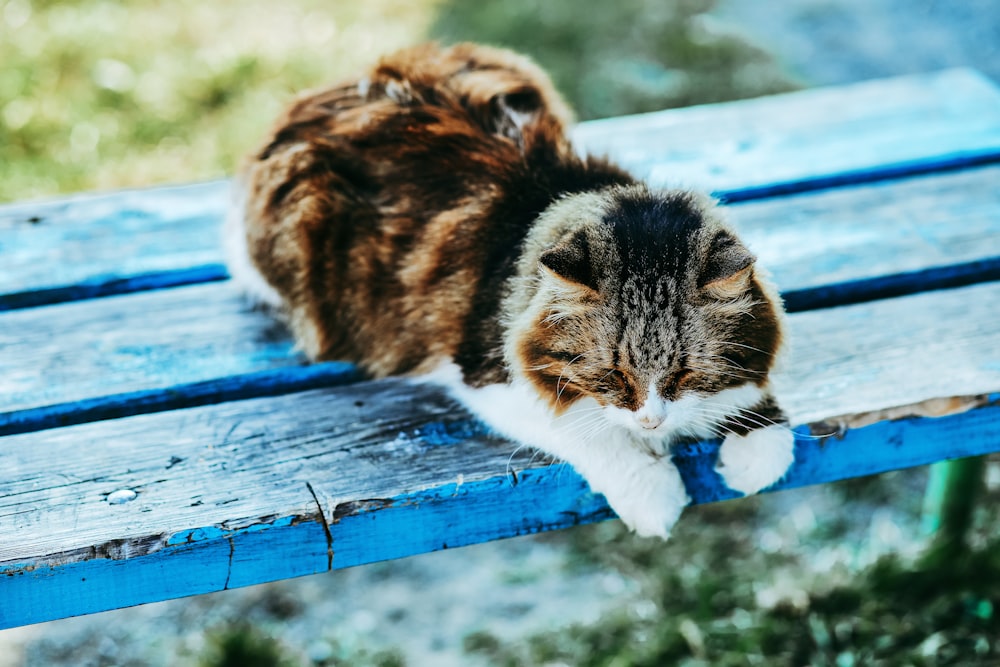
(361, 210)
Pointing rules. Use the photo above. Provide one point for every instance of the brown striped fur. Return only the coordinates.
(436, 210)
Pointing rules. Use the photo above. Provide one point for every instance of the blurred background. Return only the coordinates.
(101, 95)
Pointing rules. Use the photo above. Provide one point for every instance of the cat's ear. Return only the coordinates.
(570, 260)
(513, 110)
(727, 269)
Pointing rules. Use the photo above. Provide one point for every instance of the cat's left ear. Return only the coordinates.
(570, 260)
(727, 269)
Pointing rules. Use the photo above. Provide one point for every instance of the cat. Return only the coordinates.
(433, 219)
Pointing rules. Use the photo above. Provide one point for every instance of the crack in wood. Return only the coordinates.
(229, 567)
(354, 507)
(326, 528)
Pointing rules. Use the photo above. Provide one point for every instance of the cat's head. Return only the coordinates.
(646, 302)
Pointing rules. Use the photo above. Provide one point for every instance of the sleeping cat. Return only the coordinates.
(432, 219)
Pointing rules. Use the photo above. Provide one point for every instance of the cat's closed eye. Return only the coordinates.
(674, 384)
(615, 380)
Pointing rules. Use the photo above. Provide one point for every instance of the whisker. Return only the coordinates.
(541, 367)
(728, 362)
(560, 390)
(748, 347)
(578, 412)
(767, 421)
(510, 460)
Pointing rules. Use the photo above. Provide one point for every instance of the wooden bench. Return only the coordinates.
(160, 440)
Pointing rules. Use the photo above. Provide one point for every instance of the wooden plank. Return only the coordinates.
(121, 242)
(128, 343)
(200, 344)
(811, 138)
(880, 240)
(238, 493)
(89, 245)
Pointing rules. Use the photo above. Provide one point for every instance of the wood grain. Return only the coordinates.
(238, 493)
(911, 123)
(878, 241)
(79, 244)
(93, 245)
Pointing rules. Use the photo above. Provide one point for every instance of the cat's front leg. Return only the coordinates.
(752, 459)
(752, 462)
(648, 498)
(645, 490)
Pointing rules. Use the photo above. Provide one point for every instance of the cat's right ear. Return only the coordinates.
(728, 268)
(570, 261)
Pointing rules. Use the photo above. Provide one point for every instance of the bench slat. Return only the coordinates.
(77, 246)
(753, 148)
(114, 243)
(405, 471)
(160, 343)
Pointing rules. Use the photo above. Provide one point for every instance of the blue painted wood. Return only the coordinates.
(162, 350)
(445, 516)
(97, 244)
(130, 344)
(228, 388)
(138, 240)
(854, 131)
(892, 285)
(936, 164)
(99, 286)
(854, 235)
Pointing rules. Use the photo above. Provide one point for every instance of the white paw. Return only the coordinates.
(756, 460)
(651, 500)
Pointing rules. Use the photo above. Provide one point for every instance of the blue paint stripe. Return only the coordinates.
(206, 559)
(920, 167)
(890, 286)
(272, 382)
(101, 286)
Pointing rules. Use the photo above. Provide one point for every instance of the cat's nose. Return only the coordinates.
(649, 421)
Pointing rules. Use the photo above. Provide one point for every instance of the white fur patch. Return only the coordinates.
(363, 86)
(755, 461)
(691, 416)
(651, 499)
(641, 485)
(234, 242)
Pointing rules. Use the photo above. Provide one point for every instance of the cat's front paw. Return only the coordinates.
(650, 501)
(752, 462)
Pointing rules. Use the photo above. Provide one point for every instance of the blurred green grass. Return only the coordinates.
(96, 94)
(623, 57)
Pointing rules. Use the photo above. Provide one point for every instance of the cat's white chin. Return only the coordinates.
(691, 416)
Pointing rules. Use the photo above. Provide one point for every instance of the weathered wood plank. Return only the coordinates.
(876, 241)
(863, 359)
(90, 245)
(121, 242)
(129, 343)
(238, 493)
(753, 148)
(200, 344)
